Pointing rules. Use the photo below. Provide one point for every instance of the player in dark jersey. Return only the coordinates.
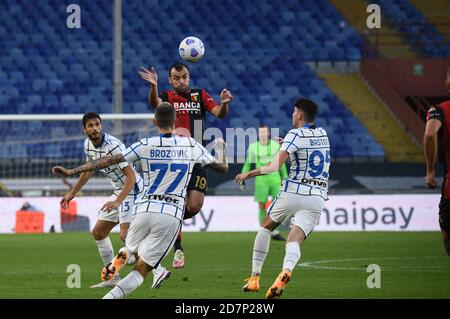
(191, 106)
(438, 121)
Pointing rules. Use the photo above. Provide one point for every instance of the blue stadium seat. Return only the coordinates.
(73, 71)
(420, 30)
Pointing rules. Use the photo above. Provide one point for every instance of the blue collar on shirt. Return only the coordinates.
(166, 135)
(312, 126)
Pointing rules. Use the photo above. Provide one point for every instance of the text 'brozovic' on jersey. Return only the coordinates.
(167, 162)
(111, 146)
(309, 152)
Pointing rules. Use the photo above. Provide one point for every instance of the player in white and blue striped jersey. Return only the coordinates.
(124, 180)
(126, 184)
(167, 163)
(301, 199)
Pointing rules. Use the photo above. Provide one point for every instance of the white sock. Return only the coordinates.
(260, 250)
(292, 256)
(131, 259)
(126, 286)
(106, 250)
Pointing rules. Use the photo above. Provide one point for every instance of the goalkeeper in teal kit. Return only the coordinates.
(260, 153)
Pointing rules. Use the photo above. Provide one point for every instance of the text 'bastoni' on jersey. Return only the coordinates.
(309, 152)
(111, 146)
(167, 162)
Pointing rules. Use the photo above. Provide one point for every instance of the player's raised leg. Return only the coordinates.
(163, 229)
(131, 282)
(126, 257)
(123, 257)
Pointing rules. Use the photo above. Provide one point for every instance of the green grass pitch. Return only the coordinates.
(333, 265)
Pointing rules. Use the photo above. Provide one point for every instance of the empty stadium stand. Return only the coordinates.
(47, 68)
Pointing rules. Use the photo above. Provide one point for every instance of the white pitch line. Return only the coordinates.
(316, 264)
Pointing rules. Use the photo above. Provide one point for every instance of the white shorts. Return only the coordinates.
(302, 210)
(120, 215)
(152, 235)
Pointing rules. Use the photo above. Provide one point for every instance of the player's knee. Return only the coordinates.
(124, 231)
(195, 202)
(296, 234)
(268, 223)
(123, 235)
(194, 207)
(295, 239)
(99, 234)
(143, 268)
(188, 213)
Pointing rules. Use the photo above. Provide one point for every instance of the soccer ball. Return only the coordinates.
(191, 49)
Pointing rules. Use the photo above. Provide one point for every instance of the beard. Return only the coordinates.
(95, 137)
(183, 89)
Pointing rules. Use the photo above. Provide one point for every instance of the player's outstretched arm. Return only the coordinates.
(272, 167)
(130, 180)
(82, 180)
(99, 163)
(152, 77)
(430, 149)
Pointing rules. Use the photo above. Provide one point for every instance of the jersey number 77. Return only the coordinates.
(173, 179)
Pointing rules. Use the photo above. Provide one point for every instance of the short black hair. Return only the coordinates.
(308, 107)
(165, 115)
(262, 125)
(177, 66)
(89, 116)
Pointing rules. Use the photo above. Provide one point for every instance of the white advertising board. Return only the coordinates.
(415, 212)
